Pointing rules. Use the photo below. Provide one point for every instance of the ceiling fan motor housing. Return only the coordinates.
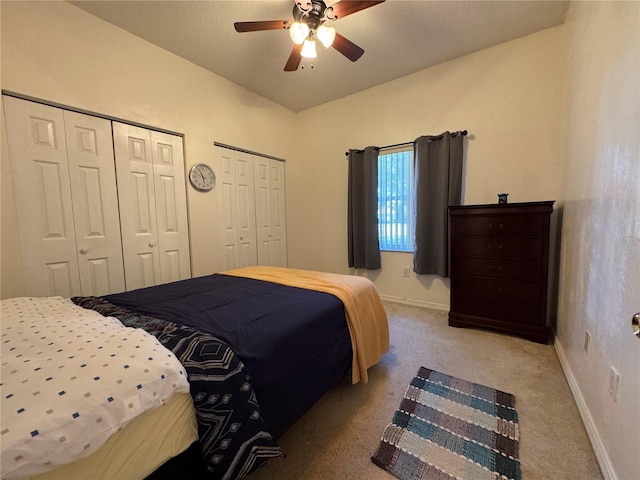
(312, 12)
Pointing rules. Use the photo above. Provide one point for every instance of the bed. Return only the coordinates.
(259, 345)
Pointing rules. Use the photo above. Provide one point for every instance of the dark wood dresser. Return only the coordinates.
(499, 267)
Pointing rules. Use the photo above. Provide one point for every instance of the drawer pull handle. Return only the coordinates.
(500, 267)
(500, 226)
(499, 246)
(490, 225)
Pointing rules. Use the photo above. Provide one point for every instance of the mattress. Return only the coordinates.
(142, 446)
(71, 378)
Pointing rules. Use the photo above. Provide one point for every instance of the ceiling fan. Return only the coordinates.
(309, 18)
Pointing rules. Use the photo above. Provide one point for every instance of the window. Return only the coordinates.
(395, 200)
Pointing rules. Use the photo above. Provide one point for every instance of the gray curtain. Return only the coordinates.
(438, 181)
(364, 247)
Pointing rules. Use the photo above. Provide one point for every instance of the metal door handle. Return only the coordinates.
(635, 324)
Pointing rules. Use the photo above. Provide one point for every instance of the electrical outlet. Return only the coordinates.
(614, 380)
(406, 271)
(587, 341)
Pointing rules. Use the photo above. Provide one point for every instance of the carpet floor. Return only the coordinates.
(336, 438)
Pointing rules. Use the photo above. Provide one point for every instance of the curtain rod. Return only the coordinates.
(461, 132)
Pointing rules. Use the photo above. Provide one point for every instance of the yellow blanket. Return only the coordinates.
(366, 317)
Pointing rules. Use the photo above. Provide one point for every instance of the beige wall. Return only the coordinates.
(551, 116)
(600, 254)
(56, 52)
(507, 97)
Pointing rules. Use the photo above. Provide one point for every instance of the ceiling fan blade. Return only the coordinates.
(294, 59)
(347, 48)
(347, 7)
(259, 26)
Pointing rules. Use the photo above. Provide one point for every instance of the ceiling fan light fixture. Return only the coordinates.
(299, 32)
(326, 35)
(309, 48)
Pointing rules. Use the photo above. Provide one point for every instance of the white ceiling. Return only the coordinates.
(399, 37)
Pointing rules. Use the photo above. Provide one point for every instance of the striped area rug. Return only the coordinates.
(447, 428)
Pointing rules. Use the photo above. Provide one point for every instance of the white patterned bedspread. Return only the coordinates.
(70, 378)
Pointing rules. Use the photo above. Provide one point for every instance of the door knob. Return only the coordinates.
(152, 244)
(635, 324)
(84, 250)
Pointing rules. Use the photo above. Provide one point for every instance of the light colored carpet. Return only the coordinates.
(337, 436)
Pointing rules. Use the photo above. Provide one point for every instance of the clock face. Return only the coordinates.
(202, 177)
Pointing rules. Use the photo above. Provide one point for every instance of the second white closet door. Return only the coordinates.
(153, 212)
(270, 212)
(238, 214)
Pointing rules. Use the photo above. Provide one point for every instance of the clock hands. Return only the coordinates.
(202, 177)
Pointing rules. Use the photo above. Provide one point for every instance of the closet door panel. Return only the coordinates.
(95, 203)
(263, 210)
(235, 181)
(227, 186)
(277, 214)
(42, 190)
(135, 176)
(171, 207)
(270, 212)
(245, 202)
(245, 212)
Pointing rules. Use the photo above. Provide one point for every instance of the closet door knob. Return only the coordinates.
(152, 244)
(635, 324)
(241, 237)
(84, 250)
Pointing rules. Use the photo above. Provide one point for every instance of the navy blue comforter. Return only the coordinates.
(291, 346)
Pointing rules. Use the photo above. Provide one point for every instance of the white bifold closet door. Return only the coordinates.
(66, 199)
(238, 217)
(153, 210)
(270, 211)
(252, 209)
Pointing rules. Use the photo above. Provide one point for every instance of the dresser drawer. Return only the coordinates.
(523, 270)
(498, 289)
(500, 225)
(504, 247)
(509, 310)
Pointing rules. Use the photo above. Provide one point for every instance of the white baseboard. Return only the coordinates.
(596, 442)
(416, 303)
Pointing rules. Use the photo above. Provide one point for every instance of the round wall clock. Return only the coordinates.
(202, 177)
